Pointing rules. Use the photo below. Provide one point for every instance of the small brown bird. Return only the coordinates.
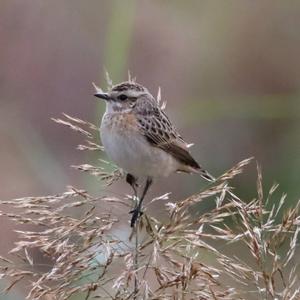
(139, 137)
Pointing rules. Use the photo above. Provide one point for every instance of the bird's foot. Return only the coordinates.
(136, 213)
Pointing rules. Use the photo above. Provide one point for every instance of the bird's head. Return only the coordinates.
(125, 96)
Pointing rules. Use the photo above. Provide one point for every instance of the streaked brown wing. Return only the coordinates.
(159, 132)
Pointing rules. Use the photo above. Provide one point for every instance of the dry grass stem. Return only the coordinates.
(239, 249)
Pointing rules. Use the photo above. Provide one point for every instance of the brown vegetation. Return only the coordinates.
(237, 250)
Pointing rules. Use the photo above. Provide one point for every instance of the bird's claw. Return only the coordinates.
(136, 213)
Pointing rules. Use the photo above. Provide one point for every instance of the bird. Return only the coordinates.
(139, 137)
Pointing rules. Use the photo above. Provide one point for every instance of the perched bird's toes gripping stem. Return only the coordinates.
(136, 213)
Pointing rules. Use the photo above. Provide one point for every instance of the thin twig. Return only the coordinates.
(136, 257)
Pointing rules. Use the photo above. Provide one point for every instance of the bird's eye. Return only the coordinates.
(122, 97)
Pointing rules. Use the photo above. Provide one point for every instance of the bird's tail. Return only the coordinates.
(204, 174)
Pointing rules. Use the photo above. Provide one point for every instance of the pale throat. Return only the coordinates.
(113, 107)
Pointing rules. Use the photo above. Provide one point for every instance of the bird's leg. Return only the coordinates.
(130, 179)
(137, 211)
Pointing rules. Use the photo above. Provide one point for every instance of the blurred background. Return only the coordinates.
(229, 71)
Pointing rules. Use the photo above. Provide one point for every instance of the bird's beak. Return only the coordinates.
(103, 96)
(100, 94)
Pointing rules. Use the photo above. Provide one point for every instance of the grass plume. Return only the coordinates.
(237, 250)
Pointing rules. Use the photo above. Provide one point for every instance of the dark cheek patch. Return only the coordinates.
(132, 103)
